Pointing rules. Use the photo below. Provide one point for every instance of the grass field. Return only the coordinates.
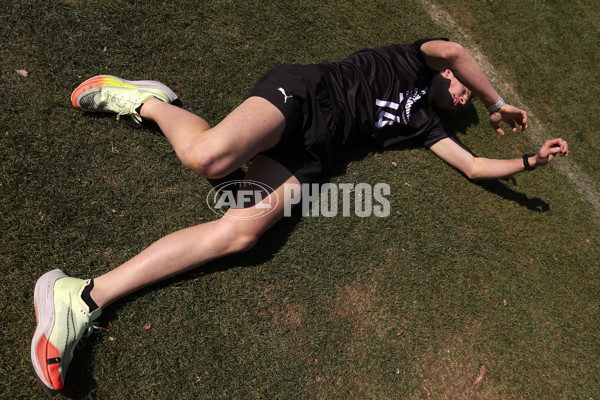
(496, 280)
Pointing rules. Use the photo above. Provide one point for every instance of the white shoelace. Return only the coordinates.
(94, 327)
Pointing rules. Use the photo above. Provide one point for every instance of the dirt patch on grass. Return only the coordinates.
(356, 304)
(288, 315)
(458, 370)
(285, 314)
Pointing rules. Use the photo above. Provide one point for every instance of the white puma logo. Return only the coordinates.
(285, 96)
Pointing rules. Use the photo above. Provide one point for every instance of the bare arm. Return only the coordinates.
(476, 168)
(441, 55)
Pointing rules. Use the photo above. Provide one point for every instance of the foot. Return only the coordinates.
(62, 319)
(105, 93)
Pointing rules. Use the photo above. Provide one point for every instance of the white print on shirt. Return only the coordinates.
(390, 118)
(285, 96)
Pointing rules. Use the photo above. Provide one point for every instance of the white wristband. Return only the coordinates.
(496, 107)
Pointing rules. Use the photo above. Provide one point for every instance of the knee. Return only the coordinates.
(203, 161)
(238, 238)
(244, 242)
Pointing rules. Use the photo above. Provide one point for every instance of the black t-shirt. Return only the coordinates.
(382, 93)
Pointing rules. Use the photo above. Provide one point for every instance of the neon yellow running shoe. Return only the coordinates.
(62, 320)
(105, 93)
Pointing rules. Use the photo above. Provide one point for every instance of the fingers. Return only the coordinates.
(563, 148)
(557, 145)
(495, 120)
(523, 123)
(522, 126)
(513, 116)
(551, 148)
(519, 120)
(514, 126)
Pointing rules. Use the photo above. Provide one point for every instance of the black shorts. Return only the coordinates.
(310, 145)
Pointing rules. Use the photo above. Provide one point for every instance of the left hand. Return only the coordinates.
(550, 149)
(511, 115)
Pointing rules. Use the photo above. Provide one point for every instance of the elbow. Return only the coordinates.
(453, 52)
(482, 169)
(472, 175)
(476, 178)
(473, 172)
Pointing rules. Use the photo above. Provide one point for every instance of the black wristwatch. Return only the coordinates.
(526, 162)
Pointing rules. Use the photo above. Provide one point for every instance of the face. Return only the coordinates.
(447, 92)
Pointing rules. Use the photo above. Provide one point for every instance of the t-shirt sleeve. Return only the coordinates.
(417, 45)
(435, 134)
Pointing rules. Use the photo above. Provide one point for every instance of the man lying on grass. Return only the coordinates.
(298, 121)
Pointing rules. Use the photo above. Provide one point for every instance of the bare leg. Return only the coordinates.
(255, 126)
(191, 247)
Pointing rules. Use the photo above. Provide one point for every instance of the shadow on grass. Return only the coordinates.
(502, 190)
(459, 120)
(80, 383)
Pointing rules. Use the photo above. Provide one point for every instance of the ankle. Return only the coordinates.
(145, 110)
(86, 296)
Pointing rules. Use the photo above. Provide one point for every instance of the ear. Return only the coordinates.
(447, 74)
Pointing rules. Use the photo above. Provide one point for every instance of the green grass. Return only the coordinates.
(501, 274)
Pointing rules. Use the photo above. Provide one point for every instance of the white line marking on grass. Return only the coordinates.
(538, 132)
